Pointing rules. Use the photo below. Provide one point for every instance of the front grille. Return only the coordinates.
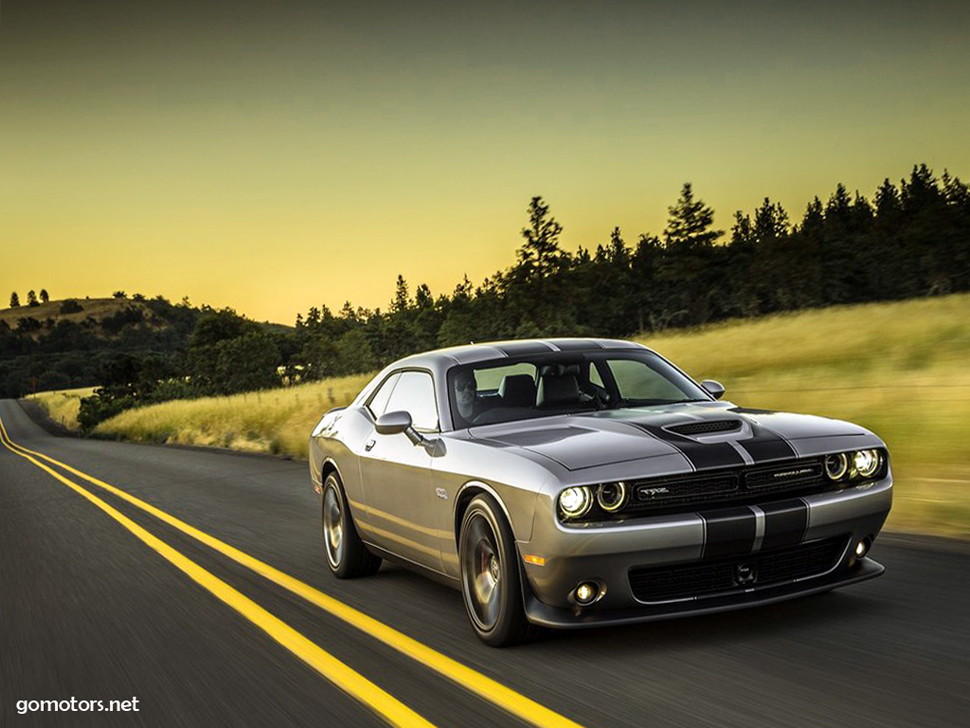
(702, 579)
(737, 486)
(706, 428)
(689, 489)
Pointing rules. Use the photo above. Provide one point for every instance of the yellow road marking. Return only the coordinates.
(344, 677)
(495, 692)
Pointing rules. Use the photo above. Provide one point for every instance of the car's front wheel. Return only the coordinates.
(490, 575)
(347, 555)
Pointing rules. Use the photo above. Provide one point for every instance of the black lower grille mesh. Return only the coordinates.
(662, 583)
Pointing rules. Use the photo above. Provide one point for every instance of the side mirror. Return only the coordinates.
(715, 389)
(393, 423)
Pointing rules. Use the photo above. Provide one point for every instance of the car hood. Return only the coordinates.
(706, 434)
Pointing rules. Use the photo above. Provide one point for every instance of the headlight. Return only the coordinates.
(575, 502)
(611, 496)
(867, 462)
(836, 465)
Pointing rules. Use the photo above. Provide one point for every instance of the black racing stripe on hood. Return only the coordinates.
(728, 532)
(766, 445)
(785, 523)
(701, 455)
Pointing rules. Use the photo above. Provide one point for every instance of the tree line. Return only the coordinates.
(31, 298)
(910, 239)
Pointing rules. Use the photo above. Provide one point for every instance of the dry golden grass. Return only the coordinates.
(276, 421)
(899, 369)
(62, 406)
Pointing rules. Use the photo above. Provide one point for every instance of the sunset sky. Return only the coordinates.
(272, 156)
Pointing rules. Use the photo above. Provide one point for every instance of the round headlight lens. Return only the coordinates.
(867, 462)
(575, 502)
(836, 465)
(611, 496)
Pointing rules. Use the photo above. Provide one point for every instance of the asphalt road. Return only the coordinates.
(87, 610)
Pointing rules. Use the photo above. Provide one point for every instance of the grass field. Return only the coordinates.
(62, 406)
(899, 369)
(276, 421)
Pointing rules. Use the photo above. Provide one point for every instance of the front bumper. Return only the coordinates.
(606, 553)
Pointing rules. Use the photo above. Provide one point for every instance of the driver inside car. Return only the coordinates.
(466, 393)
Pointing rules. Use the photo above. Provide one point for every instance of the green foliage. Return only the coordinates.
(70, 306)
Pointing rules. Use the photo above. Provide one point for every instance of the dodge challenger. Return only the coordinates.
(569, 483)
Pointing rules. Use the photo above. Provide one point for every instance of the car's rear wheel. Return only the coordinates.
(490, 580)
(347, 555)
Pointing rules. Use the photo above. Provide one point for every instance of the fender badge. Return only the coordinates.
(441, 493)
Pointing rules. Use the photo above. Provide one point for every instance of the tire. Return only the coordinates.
(347, 556)
(490, 582)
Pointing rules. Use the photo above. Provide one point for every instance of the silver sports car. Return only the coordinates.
(579, 482)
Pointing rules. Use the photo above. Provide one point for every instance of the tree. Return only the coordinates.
(533, 288)
(540, 255)
(122, 294)
(14, 300)
(44, 295)
(32, 298)
(690, 222)
(687, 269)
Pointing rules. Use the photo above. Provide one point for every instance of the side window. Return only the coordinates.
(414, 394)
(378, 402)
(594, 375)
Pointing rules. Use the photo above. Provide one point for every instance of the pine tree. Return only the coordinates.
(690, 222)
(540, 254)
(686, 268)
(401, 301)
(14, 300)
(44, 295)
(32, 298)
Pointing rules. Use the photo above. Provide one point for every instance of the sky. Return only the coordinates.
(273, 156)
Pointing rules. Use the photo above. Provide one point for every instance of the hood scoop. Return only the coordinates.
(708, 427)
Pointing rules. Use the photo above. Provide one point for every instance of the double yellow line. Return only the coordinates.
(341, 675)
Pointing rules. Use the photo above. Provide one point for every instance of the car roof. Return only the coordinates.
(472, 353)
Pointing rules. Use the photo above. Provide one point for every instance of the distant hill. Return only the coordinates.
(65, 343)
(92, 312)
(89, 312)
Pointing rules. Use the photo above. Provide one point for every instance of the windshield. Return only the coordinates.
(558, 383)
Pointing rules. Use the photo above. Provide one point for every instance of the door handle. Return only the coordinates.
(369, 444)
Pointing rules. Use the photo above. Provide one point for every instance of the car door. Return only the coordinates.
(396, 475)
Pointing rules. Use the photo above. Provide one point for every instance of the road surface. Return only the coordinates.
(94, 609)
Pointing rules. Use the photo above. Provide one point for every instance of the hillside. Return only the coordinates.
(68, 343)
(897, 368)
(94, 309)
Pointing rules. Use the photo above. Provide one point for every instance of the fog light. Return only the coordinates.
(586, 593)
(862, 548)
